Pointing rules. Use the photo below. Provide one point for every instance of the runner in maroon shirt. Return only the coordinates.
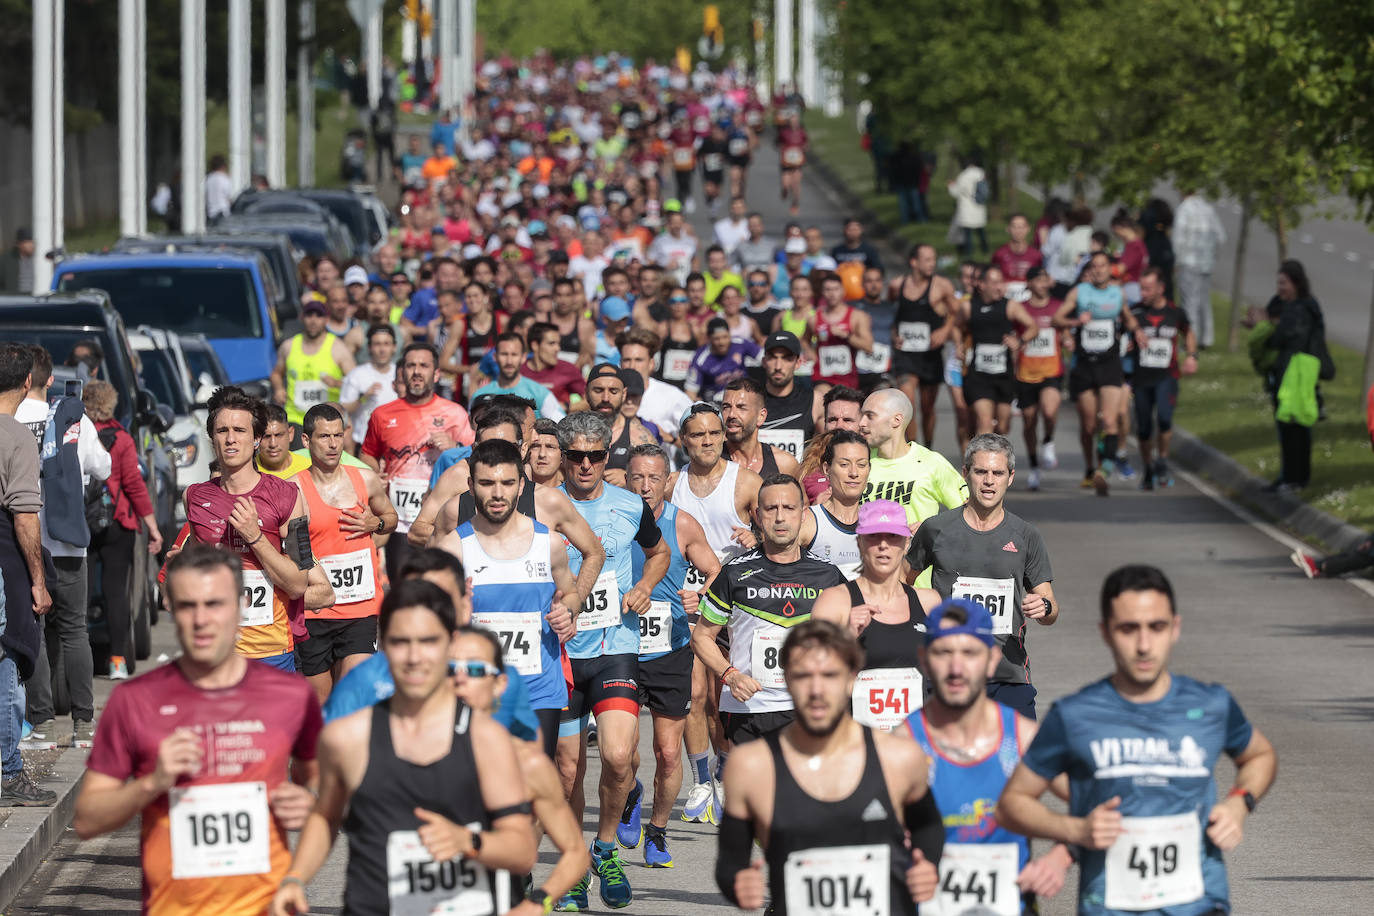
(1017, 257)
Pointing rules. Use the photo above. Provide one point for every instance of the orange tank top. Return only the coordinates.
(350, 561)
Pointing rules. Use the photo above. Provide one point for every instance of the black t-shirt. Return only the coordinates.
(712, 155)
(791, 411)
(1166, 330)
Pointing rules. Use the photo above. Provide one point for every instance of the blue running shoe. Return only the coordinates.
(575, 900)
(1123, 468)
(628, 831)
(698, 808)
(656, 854)
(614, 886)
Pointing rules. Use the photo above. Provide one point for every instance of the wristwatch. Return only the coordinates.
(540, 896)
(1246, 796)
(380, 525)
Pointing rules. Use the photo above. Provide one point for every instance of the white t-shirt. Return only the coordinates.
(729, 234)
(589, 269)
(219, 194)
(663, 405)
(355, 388)
(90, 454)
(670, 251)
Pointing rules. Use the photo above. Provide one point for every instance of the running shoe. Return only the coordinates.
(1123, 467)
(1147, 480)
(39, 737)
(1162, 473)
(1087, 482)
(718, 806)
(119, 669)
(83, 733)
(614, 886)
(629, 831)
(1033, 479)
(698, 808)
(1100, 481)
(1048, 460)
(1309, 566)
(656, 854)
(575, 900)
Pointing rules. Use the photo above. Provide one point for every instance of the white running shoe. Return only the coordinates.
(1048, 460)
(1033, 479)
(718, 806)
(698, 809)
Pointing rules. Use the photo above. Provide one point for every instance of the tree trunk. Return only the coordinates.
(1237, 274)
(1010, 158)
(1369, 351)
(1281, 235)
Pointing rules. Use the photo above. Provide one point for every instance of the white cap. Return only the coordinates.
(355, 274)
(795, 245)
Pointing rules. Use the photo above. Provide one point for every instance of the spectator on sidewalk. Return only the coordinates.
(970, 192)
(219, 189)
(71, 459)
(114, 547)
(16, 265)
(904, 174)
(22, 573)
(1197, 234)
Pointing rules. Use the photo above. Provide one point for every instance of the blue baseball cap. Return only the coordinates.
(977, 625)
(614, 308)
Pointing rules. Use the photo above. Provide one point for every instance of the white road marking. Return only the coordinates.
(1305, 238)
(1263, 527)
(1353, 257)
(1328, 247)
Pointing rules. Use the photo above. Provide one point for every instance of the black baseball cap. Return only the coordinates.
(785, 339)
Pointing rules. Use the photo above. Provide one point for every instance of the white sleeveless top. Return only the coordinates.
(835, 543)
(715, 511)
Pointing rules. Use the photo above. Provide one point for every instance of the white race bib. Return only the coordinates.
(876, 362)
(307, 394)
(884, 697)
(990, 359)
(701, 124)
(765, 657)
(978, 877)
(1017, 291)
(220, 830)
(1158, 353)
(603, 604)
(914, 335)
(997, 595)
(1156, 862)
(713, 162)
(793, 157)
(695, 579)
(1098, 335)
(739, 147)
(520, 633)
(407, 496)
(849, 880)
(656, 628)
(257, 599)
(836, 359)
(419, 886)
(567, 357)
(789, 439)
(1045, 343)
(352, 576)
(683, 158)
(676, 363)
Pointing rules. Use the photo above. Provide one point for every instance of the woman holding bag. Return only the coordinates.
(1302, 361)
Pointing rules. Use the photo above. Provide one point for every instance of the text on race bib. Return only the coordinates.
(257, 610)
(765, 657)
(739, 146)
(914, 335)
(683, 158)
(602, 608)
(978, 877)
(1099, 334)
(884, 697)
(836, 359)
(997, 595)
(990, 359)
(694, 580)
(352, 575)
(793, 157)
(876, 361)
(789, 439)
(713, 162)
(852, 880)
(1155, 862)
(419, 886)
(219, 830)
(1158, 353)
(656, 628)
(520, 634)
(1044, 344)
(676, 363)
(307, 394)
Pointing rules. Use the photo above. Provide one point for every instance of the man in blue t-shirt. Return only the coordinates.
(1139, 749)
(510, 355)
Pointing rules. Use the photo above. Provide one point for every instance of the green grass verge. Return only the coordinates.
(1224, 404)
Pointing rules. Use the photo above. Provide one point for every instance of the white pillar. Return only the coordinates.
(47, 138)
(192, 116)
(467, 53)
(447, 24)
(410, 40)
(806, 53)
(782, 42)
(141, 116)
(305, 98)
(240, 92)
(372, 53)
(130, 203)
(274, 92)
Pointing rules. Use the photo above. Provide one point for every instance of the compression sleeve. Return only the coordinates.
(927, 827)
(297, 542)
(648, 534)
(735, 847)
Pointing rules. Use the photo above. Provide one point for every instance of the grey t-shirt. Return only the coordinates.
(19, 488)
(750, 255)
(994, 568)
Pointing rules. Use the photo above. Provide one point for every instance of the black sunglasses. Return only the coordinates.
(577, 456)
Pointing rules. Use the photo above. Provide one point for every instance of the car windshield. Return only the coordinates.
(160, 377)
(60, 342)
(203, 362)
(215, 302)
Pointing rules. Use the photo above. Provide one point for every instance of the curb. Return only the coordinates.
(1187, 450)
(29, 834)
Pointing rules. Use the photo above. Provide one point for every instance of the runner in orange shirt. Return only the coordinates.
(202, 748)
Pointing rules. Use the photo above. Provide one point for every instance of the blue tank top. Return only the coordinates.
(667, 589)
(1097, 340)
(510, 598)
(1100, 303)
(615, 517)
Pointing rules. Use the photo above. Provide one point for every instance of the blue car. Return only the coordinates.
(224, 296)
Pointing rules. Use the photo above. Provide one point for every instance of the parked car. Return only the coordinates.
(60, 321)
(351, 208)
(203, 361)
(225, 295)
(313, 233)
(168, 375)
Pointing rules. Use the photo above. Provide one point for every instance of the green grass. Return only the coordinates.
(1225, 406)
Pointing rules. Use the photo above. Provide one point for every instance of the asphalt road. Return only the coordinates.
(1295, 654)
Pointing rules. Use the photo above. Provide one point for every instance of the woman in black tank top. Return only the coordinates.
(824, 834)
(891, 643)
(679, 342)
(989, 384)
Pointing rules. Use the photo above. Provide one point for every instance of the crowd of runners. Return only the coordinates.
(559, 458)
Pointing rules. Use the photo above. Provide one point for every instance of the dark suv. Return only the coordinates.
(59, 321)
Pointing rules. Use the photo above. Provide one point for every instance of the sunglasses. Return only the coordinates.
(698, 407)
(472, 667)
(679, 300)
(577, 456)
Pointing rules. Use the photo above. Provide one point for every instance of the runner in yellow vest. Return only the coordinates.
(310, 366)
